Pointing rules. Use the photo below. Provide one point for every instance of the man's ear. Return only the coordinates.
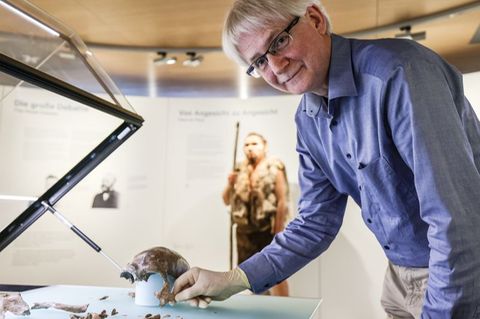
(316, 18)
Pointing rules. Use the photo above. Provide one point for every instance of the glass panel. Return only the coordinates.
(42, 136)
(45, 136)
(7, 84)
(30, 36)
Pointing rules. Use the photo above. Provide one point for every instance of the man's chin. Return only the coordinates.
(297, 87)
(297, 90)
(293, 88)
(298, 83)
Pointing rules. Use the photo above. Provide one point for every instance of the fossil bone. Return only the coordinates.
(60, 306)
(13, 303)
(92, 315)
(159, 260)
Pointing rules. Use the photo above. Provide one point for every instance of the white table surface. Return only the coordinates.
(236, 307)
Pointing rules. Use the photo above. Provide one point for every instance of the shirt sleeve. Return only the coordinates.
(320, 213)
(437, 133)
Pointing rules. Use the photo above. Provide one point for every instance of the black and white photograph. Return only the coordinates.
(107, 197)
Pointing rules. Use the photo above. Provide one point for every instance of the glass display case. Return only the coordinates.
(60, 115)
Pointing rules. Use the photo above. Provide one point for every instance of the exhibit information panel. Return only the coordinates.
(60, 117)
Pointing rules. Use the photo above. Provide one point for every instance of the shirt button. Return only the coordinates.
(360, 187)
(369, 220)
(334, 122)
(349, 156)
(386, 247)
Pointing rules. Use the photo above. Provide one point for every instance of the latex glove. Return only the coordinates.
(200, 286)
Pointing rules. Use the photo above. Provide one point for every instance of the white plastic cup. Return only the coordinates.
(145, 291)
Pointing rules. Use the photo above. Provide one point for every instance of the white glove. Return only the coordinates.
(200, 286)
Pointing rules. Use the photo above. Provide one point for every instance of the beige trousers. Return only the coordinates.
(404, 291)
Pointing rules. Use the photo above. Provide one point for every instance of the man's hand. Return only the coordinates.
(200, 286)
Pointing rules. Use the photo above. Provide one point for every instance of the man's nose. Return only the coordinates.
(277, 63)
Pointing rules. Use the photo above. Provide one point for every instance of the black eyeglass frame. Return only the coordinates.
(251, 67)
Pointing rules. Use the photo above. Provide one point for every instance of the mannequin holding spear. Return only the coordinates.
(257, 192)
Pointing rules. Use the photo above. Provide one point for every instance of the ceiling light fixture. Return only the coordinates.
(67, 55)
(162, 59)
(448, 13)
(29, 18)
(407, 34)
(30, 59)
(193, 59)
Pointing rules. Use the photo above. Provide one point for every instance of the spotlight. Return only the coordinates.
(162, 58)
(193, 59)
(66, 53)
(407, 34)
(30, 59)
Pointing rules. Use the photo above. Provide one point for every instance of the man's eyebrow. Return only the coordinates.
(273, 35)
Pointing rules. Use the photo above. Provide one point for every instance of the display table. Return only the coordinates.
(237, 307)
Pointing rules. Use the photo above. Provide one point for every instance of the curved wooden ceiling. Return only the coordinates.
(197, 24)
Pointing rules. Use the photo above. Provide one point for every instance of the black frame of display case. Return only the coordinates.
(18, 288)
(132, 122)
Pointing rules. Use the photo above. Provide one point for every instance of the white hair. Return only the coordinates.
(249, 16)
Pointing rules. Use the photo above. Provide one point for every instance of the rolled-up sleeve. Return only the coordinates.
(437, 134)
(320, 213)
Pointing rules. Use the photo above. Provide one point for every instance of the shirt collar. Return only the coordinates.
(313, 104)
(341, 81)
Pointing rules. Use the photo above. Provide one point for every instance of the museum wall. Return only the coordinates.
(472, 86)
(168, 178)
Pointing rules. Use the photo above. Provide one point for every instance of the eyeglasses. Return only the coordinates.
(279, 43)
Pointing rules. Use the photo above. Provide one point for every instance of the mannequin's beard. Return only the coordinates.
(252, 159)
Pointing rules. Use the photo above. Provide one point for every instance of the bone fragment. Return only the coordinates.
(60, 306)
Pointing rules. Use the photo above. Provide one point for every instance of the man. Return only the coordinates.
(108, 197)
(257, 195)
(385, 122)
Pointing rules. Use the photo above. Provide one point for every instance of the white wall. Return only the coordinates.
(471, 83)
(43, 134)
(170, 176)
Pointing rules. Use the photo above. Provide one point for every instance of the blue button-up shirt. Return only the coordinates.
(397, 135)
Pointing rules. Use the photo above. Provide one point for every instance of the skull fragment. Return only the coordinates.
(13, 303)
(169, 264)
